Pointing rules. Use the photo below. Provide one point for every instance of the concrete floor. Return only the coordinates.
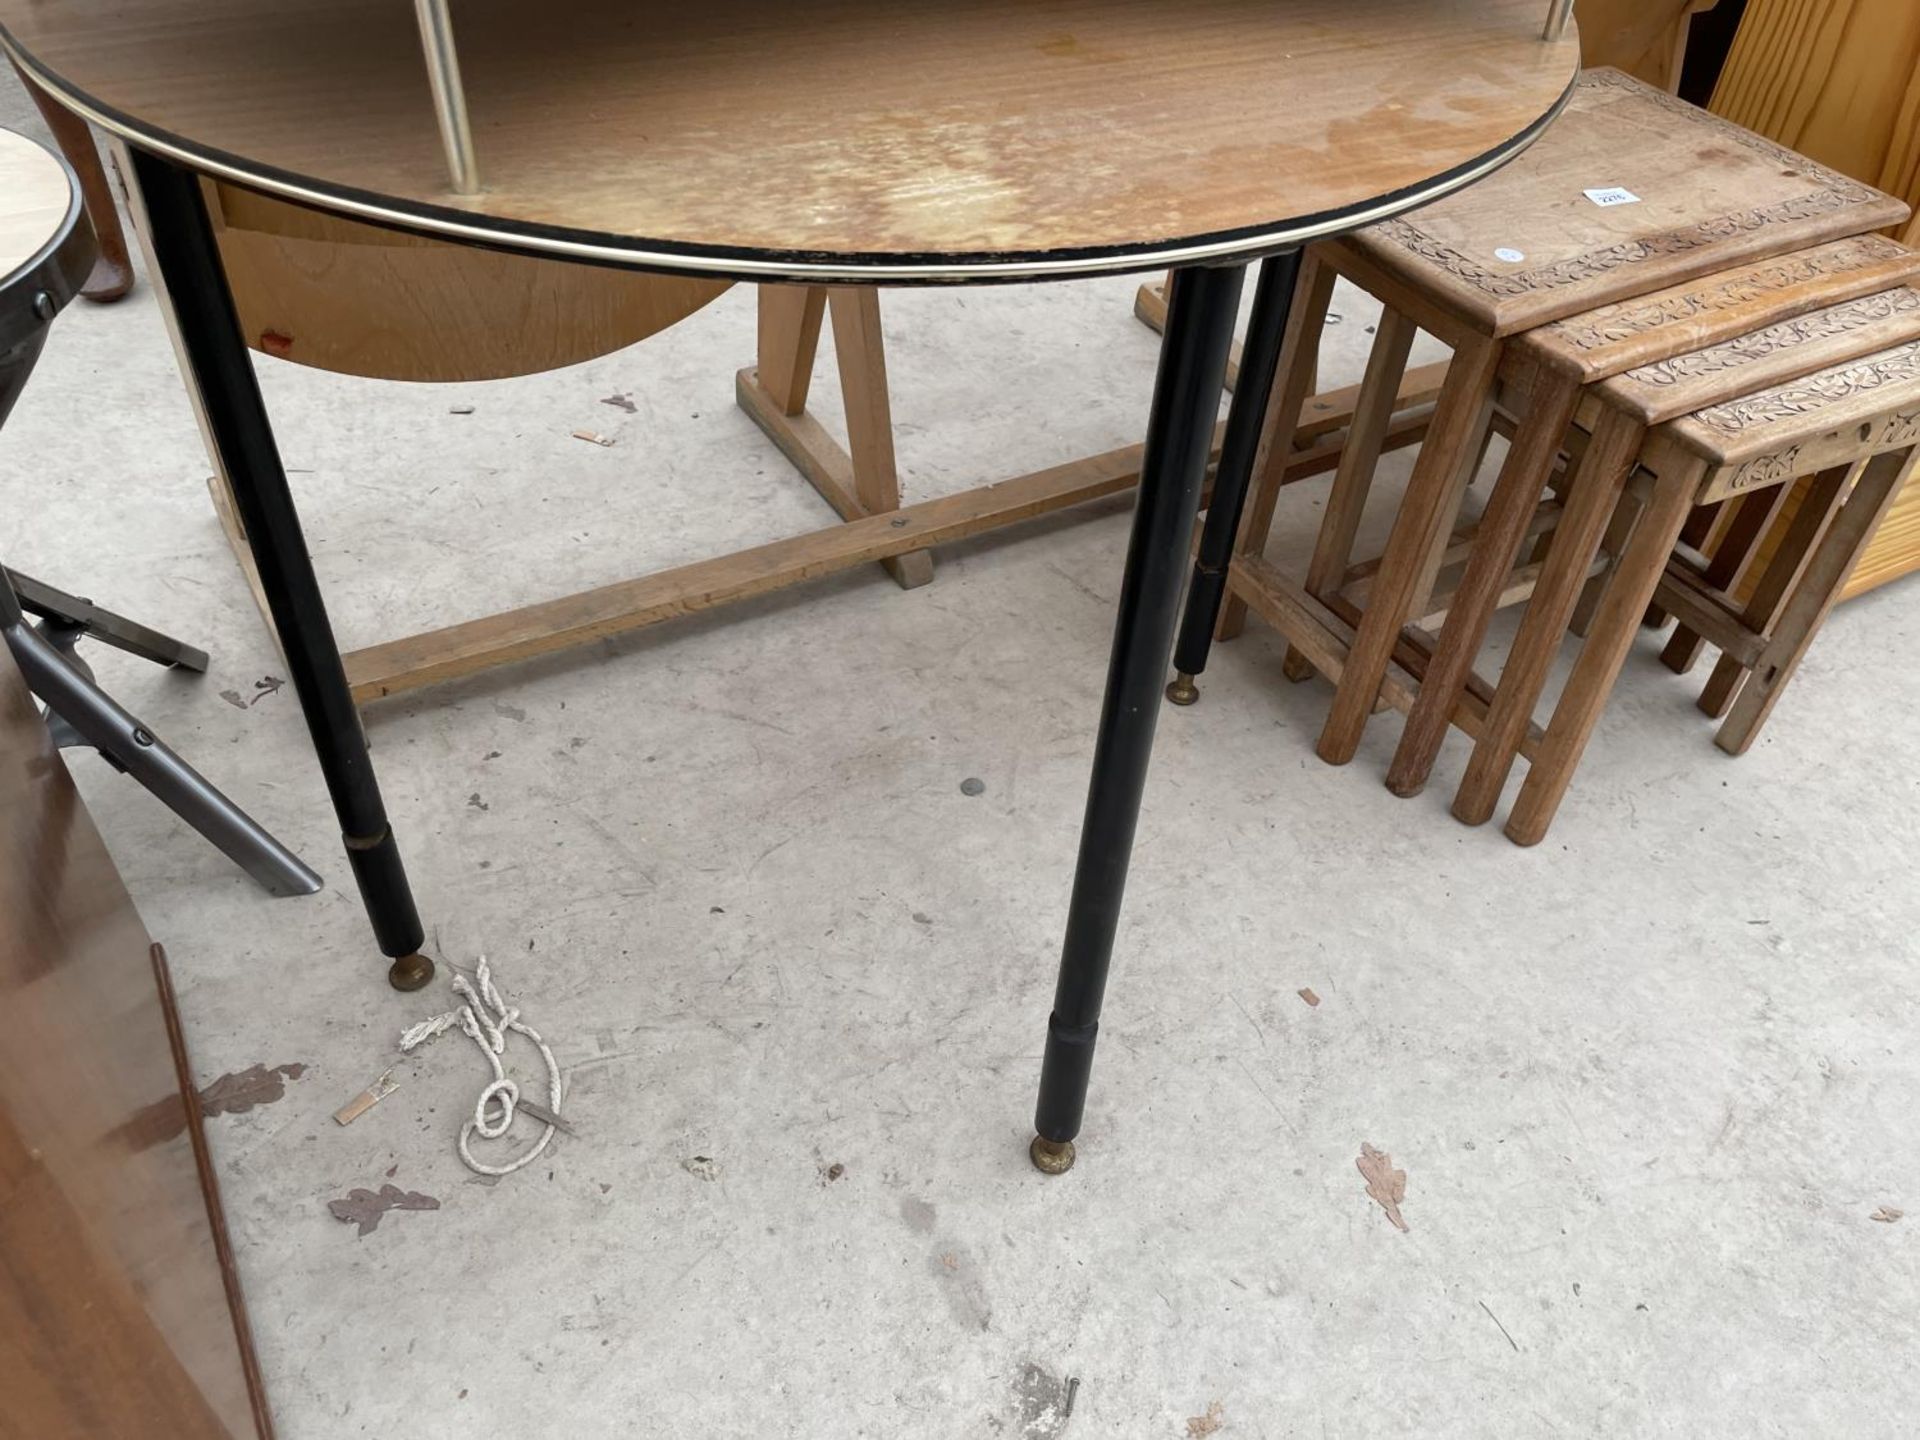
(1649, 1081)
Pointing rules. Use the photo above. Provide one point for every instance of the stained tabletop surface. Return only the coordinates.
(928, 137)
(35, 196)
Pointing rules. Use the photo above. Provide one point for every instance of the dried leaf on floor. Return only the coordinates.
(620, 402)
(365, 1208)
(1384, 1183)
(1311, 998)
(701, 1167)
(593, 437)
(266, 685)
(240, 1091)
(1201, 1426)
(1886, 1215)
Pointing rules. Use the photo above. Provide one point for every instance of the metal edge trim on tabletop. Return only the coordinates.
(721, 262)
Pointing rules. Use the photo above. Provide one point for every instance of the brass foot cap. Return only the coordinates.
(1182, 691)
(410, 972)
(1051, 1157)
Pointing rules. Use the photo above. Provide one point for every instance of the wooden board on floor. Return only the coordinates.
(426, 659)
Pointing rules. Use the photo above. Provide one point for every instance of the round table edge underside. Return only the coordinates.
(793, 266)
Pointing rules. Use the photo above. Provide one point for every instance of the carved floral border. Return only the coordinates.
(1600, 330)
(1750, 349)
(1817, 392)
(1836, 192)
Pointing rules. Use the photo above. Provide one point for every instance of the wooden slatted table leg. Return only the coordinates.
(789, 340)
(1762, 612)
(859, 349)
(1704, 523)
(1616, 624)
(1298, 355)
(1423, 520)
(1474, 457)
(1353, 480)
(1619, 527)
(1591, 503)
(1503, 527)
(863, 479)
(1818, 591)
(1739, 547)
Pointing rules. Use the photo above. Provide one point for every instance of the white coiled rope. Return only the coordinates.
(487, 1018)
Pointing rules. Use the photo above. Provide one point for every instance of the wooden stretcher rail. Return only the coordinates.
(395, 667)
(1325, 637)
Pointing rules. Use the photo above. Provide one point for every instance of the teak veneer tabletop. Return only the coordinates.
(876, 139)
(35, 199)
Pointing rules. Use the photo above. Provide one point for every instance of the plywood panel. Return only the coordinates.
(1839, 80)
(114, 1317)
(330, 292)
(1895, 551)
(1645, 38)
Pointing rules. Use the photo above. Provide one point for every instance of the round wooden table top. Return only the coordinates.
(884, 140)
(38, 200)
(45, 251)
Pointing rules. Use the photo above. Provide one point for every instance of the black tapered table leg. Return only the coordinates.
(1186, 399)
(189, 263)
(1259, 363)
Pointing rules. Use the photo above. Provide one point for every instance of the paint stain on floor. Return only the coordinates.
(1042, 1402)
(242, 1090)
(366, 1208)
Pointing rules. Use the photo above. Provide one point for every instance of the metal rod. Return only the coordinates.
(449, 96)
(109, 628)
(1201, 309)
(222, 372)
(1558, 13)
(1266, 333)
(81, 712)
